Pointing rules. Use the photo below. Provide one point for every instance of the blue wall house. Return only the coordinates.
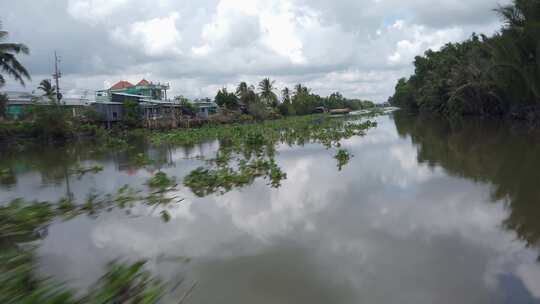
(151, 97)
(111, 111)
(205, 108)
(18, 103)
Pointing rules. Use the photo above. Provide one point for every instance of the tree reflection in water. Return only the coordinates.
(502, 155)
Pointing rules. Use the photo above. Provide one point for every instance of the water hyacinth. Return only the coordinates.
(248, 151)
(342, 156)
(23, 222)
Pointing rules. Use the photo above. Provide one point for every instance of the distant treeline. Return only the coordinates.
(498, 75)
(298, 101)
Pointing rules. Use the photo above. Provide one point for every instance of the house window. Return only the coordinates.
(115, 115)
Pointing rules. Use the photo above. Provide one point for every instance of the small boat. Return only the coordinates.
(340, 111)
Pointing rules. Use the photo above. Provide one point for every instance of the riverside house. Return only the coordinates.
(151, 97)
(18, 103)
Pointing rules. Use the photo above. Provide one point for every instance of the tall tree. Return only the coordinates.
(266, 88)
(286, 108)
(299, 89)
(9, 64)
(516, 51)
(225, 99)
(483, 75)
(286, 95)
(242, 89)
(47, 88)
(246, 93)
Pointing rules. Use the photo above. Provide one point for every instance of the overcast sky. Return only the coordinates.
(357, 47)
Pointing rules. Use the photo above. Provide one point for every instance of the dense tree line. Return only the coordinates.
(299, 101)
(495, 75)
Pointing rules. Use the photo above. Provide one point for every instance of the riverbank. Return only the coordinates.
(486, 76)
(25, 131)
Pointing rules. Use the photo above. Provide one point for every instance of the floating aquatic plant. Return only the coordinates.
(25, 222)
(342, 156)
(248, 151)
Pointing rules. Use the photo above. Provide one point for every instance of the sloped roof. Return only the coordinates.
(143, 82)
(122, 84)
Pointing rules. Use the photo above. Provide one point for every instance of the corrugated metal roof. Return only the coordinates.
(128, 95)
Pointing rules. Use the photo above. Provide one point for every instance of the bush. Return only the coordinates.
(132, 114)
(286, 109)
(17, 129)
(52, 120)
(246, 118)
(226, 99)
(258, 110)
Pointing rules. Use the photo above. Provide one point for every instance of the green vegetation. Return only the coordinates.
(224, 177)
(226, 99)
(52, 120)
(132, 114)
(248, 151)
(497, 75)
(48, 89)
(245, 93)
(266, 104)
(266, 86)
(342, 156)
(17, 129)
(81, 171)
(22, 222)
(9, 64)
(500, 154)
(7, 177)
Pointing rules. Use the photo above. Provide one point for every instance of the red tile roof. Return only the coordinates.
(122, 85)
(143, 82)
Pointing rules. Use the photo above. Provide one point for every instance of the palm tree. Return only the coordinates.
(516, 50)
(9, 65)
(266, 87)
(299, 89)
(286, 95)
(48, 89)
(242, 89)
(244, 93)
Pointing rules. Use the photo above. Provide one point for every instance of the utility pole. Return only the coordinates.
(57, 74)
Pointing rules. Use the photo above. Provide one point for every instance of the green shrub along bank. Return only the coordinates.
(492, 76)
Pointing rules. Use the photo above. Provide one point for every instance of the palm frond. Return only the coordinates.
(12, 67)
(16, 48)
